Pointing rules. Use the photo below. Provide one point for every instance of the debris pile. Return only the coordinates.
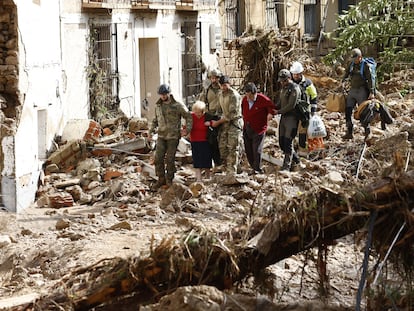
(96, 191)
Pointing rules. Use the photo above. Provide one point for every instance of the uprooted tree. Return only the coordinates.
(308, 221)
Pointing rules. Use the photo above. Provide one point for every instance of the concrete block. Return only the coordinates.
(75, 130)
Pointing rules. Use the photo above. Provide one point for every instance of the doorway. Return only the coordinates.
(149, 72)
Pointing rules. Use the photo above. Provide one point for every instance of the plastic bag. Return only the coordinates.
(316, 127)
(315, 144)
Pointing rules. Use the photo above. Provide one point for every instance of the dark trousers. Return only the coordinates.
(253, 145)
(288, 129)
(215, 151)
(355, 96)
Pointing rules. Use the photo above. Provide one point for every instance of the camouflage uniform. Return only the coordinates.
(230, 136)
(210, 95)
(167, 120)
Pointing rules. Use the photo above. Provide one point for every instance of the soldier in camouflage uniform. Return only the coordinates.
(167, 122)
(231, 123)
(209, 95)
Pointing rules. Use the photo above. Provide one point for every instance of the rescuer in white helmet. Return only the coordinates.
(309, 89)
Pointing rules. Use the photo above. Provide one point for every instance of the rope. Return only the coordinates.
(388, 253)
(361, 157)
(365, 262)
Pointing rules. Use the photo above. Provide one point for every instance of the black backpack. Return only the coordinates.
(303, 105)
(372, 110)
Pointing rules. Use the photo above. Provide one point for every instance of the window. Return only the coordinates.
(102, 70)
(344, 5)
(234, 23)
(191, 60)
(275, 13)
(310, 20)
(271, 15)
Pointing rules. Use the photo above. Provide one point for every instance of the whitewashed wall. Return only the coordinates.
(52, 79)
(39, 79)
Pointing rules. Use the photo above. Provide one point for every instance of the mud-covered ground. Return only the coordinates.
(41, 245)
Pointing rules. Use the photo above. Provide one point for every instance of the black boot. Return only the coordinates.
(349, 125)
(367, 132)
(295, 158)
(286, 162)
(160, 182)
(294, 167)
(348, 134)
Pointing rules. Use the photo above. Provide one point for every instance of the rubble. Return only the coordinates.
(95, 196)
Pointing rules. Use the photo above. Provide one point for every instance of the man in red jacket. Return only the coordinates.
(257, 110)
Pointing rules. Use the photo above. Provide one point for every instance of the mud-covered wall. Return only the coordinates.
(9, 72)
(9, 55)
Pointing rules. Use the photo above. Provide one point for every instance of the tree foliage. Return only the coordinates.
(385, 26)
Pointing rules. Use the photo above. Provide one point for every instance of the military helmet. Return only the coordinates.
(224, 79)
(214, 73)
(164, 89)
(284, 74)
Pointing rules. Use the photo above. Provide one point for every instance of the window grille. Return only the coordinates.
(191, 60)
(103, 73)
(271, 15)
(232, 16)
(310, 20)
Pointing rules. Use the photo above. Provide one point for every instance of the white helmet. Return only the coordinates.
(296, 68)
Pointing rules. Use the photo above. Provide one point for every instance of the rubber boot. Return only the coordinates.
(169, 181)
(348, 134)
(286, 162)
(349, 125)
(160, 182)
(367, 133)
(302, 141)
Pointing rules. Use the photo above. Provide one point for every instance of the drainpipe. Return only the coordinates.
(114, 62)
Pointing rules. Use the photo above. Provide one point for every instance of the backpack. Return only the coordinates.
(374, 111)
(369, 113)
(372, 65)
(302, 105)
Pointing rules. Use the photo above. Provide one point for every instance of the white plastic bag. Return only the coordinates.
(316, 127)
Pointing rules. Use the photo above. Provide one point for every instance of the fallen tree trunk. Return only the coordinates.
(308, 221)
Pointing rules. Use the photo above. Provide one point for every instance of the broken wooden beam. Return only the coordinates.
(204, 258)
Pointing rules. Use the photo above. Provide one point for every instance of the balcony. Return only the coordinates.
(185, 5)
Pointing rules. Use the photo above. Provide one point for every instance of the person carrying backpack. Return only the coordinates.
(361, 73)
(309, 95)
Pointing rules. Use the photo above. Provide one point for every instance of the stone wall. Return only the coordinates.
(9, 56)
(229, 64)
(9, 72)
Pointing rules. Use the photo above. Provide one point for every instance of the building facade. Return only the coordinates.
(69, 60)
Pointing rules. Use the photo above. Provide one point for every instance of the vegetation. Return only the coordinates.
(381, 25)
(100, 94)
